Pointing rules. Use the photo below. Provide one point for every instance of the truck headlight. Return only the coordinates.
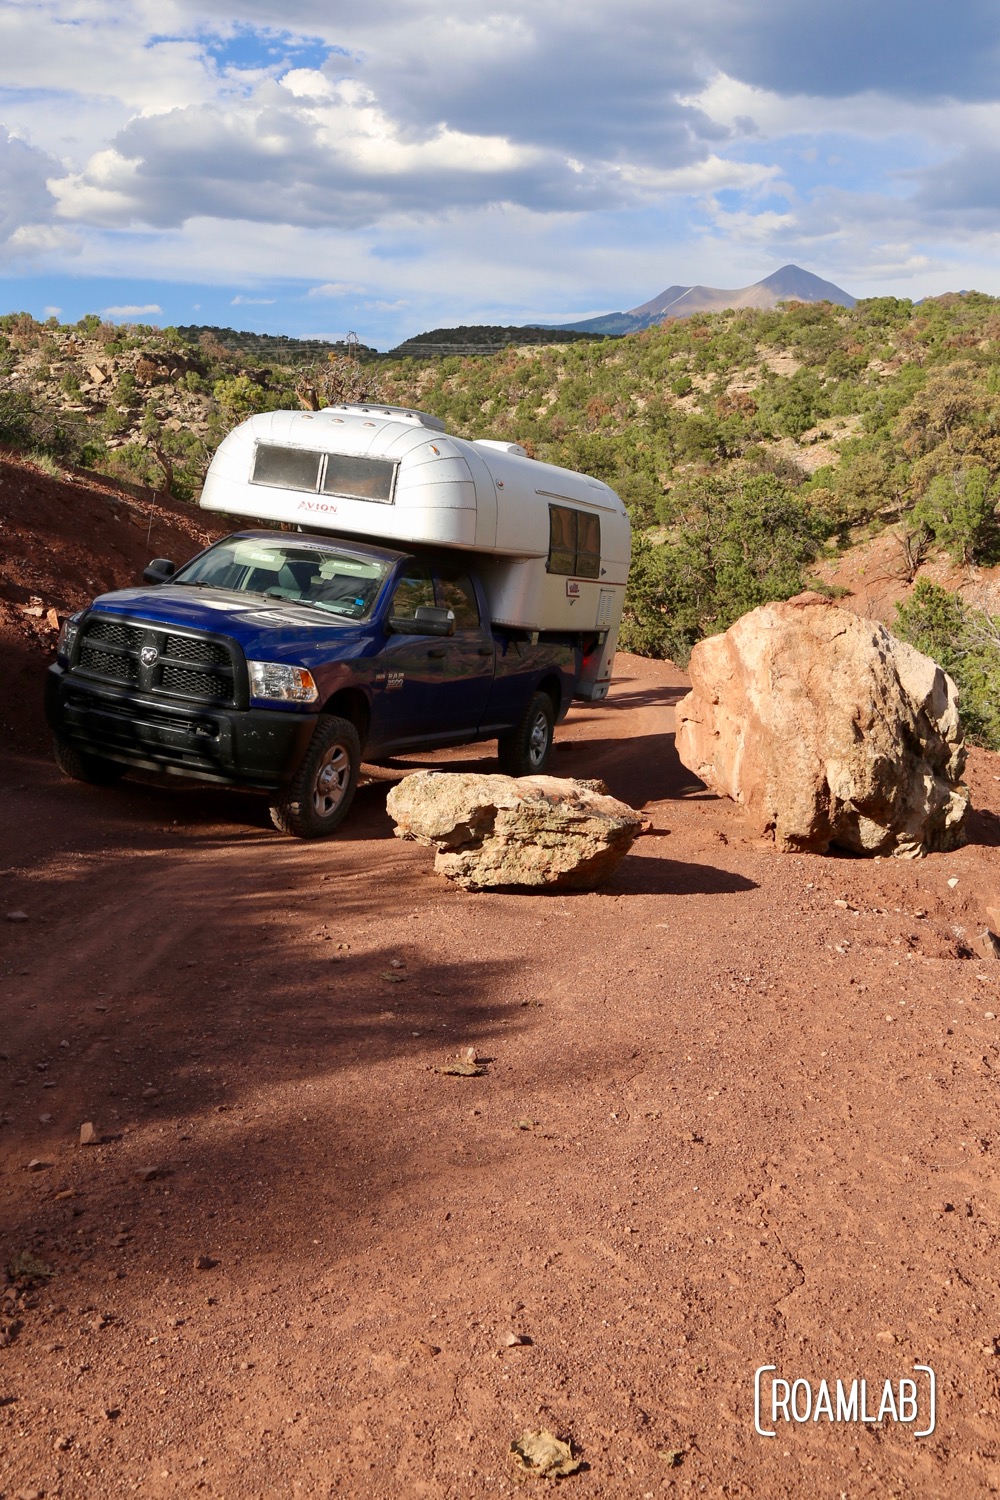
(271, 679)
(67, 636)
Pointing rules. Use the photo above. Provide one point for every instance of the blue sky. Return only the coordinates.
(436, 163)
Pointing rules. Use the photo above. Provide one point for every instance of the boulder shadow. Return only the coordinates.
(642, 875)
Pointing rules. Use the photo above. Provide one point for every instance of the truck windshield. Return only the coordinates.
(332, 579)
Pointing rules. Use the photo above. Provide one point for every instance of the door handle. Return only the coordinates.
(436, 651)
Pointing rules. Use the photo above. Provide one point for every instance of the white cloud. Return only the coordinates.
(131, 311)
(337, 289)
(253, 301)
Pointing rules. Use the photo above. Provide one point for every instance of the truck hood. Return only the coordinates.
(266, 629)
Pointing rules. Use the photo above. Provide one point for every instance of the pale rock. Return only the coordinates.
(828, 730)
(89, 1135)
(986, 944)
(492, 831)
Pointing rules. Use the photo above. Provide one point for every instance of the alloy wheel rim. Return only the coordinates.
(539, 740)
(331, 781)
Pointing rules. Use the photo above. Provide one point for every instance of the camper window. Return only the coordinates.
(574, 542)
(330, 473)
(286, 468)
(359, 478)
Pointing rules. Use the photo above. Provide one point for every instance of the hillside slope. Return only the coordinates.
(63, 540)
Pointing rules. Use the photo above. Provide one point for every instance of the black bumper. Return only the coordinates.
(254, 747)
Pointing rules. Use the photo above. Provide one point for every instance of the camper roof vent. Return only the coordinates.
(395, 413)
(499, 446)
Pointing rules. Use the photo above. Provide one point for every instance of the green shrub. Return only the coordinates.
(734, 545)
(958, 508)
(964, 641)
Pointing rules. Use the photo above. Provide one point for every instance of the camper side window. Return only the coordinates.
(574, 542)
(286, 468)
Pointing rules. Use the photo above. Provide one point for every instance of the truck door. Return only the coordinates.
(407, 674)
(467, 660)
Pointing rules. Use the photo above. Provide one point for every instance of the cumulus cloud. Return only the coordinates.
(307, 151)
(25, 200)
(131, 310)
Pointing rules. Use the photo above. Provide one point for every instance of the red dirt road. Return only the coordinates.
(740, 1110)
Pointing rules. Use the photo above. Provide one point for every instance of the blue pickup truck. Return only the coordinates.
(423, 590)
(278, 661)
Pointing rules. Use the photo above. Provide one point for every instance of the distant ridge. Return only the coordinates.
(789, 284)
(481, 338)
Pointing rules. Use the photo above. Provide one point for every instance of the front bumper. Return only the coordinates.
(253, 747)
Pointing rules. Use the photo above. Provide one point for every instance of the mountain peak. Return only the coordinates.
(788, 284)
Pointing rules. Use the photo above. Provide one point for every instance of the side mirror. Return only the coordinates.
(159, 570)
(427, 620)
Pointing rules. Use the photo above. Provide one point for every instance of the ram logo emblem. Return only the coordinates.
(148, 655)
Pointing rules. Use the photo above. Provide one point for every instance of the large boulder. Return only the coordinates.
(514, 831)
(828, 730)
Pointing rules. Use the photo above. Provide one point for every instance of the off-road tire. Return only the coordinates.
(79, 766)
(526, 750)
(316, 800)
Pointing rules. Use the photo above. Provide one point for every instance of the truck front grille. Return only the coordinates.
(117, 665)
(112, 633)
(209, 685)
(193, 648)
(144, 655)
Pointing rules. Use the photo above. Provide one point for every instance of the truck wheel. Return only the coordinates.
(316, 800)
(526, 750)
(79, 766)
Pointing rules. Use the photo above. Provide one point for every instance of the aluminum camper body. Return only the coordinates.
(552, 546)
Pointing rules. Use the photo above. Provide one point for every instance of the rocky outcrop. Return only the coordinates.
(494, 831)
(828, 730)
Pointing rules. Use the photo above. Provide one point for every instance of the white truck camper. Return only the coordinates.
(551, 546)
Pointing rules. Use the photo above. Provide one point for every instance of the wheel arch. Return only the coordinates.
(551, 686)
(352, 705)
